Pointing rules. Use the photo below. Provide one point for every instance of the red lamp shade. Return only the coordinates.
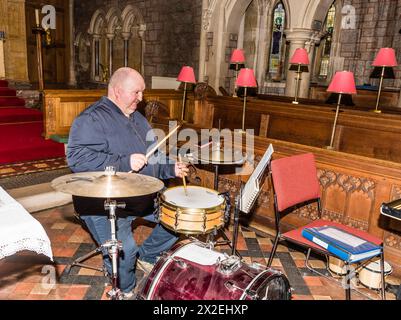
(246, 78)
(238, 56)
(300, 57)
(343, 82)
(385, 58)
(187, 75)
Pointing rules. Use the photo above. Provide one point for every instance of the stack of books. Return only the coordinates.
(342, 244)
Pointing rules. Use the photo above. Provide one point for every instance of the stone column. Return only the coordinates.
(96, 57)
(110, 38)
(126, 36)
(310, 46)
(297, 39)
(141, 35)
(72, 81)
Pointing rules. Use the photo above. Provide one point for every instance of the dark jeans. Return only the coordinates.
(159, 240)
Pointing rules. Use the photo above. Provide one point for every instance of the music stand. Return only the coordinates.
(249, 193)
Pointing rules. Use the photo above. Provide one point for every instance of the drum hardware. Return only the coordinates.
(229, 266)
(180, 263)
(113, 246)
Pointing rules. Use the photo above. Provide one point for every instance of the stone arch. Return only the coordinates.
(113, 19)
(97, 23)
(129, 16)
(133, 31)
(317, 12)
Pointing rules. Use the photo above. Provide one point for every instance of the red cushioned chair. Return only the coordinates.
(295, 184)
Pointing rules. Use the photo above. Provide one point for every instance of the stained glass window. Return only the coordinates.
(276, 52)
(329, 28)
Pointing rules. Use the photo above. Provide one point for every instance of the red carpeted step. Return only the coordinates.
(19, 115)
(23, 142)
(3, 83)
(11, 102)
(7, 92)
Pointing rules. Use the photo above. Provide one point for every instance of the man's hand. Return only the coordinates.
(181, 169)
(137, 161)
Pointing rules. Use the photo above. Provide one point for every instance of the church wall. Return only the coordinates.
(172, 36)
(377, 26)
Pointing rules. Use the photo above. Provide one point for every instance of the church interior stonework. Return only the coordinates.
(200, 150)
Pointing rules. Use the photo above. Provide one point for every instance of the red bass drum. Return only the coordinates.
(194, 271)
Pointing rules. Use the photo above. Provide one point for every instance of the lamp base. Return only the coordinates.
(376, 111)
(329, 148)
(295, 102)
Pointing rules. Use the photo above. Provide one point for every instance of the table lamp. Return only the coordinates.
(299, 59)
(237, 58)
(186, 76)
(385, 58)
(342, 83)
(246, 79)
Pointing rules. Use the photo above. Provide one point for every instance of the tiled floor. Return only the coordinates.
(27, 276)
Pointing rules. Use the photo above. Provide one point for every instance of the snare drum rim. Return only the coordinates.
(174, 207)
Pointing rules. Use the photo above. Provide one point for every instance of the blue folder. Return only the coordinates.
(342, 244)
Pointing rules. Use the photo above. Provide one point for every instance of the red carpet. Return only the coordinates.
(21, 131)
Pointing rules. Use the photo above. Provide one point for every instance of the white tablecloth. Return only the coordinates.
(19, 230)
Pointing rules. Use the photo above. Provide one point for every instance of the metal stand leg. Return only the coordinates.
(236, 227)
(216, 177)
(114, 246)
(77, 262)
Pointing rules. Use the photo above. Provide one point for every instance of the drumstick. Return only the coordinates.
(183, 178)
(149, 154)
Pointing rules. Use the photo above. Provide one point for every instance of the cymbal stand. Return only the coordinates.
(113, 246)
(236, 222)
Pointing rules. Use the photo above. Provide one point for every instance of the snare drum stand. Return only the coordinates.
(113, 246)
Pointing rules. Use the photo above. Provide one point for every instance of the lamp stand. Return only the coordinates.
(236, 78)
(298, 78)
(244, 110)
(39, 31)
(380, 91)
(330, 147)
(183, 102)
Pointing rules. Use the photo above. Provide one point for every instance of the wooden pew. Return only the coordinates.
(362, 133)
(62, 106)
(365, 98)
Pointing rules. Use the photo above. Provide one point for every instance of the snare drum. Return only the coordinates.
(201, 211)
(193, 271)
(370, 274)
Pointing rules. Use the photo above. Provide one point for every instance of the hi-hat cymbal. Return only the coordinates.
(105, 185)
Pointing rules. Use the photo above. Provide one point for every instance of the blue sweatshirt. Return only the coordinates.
(103, 136)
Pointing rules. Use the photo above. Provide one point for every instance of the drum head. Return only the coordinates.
(196, 198)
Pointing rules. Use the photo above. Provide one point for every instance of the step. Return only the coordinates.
(11, 101)
(3, 83)
(19, 114)
(7, 92)
(40, 197)
(24, 142)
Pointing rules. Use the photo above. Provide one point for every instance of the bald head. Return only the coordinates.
(125, 89)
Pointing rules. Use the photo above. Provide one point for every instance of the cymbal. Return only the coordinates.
(105, 185)
(220, 156)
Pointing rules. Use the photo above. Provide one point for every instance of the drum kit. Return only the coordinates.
(193, 270)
